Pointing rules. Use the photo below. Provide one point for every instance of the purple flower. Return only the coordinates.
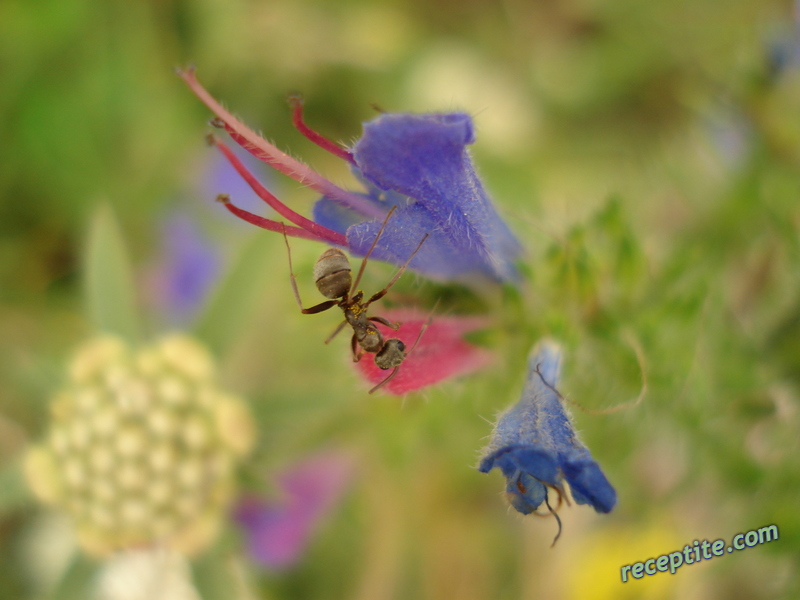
(278, 530)
(189, 266)
(219, 175)
(535, 445)
(189, 262)
(418, 163)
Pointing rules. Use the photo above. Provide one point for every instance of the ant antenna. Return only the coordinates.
(291, 270)
(414, 345)
(400, 271)
(558, 519)
(357, 280)
(425, 325)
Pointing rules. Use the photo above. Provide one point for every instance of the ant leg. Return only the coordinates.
(357, 280)
(336, 332)
(396, 370)
(387, 380)
(318, 308)
(356, 350)
(386, 322)
(400, 271)
(306, 311)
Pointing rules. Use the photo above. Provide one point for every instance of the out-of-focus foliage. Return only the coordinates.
(647, 154)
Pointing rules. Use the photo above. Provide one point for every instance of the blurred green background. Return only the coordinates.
(647, 155)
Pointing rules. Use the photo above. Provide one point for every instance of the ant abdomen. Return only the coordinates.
(332, 273)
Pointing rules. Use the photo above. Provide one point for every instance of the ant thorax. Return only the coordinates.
(368, 336)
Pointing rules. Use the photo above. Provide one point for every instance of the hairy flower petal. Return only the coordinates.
(417, 163)
(535, 445)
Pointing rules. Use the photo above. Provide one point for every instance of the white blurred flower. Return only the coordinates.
(152, 574)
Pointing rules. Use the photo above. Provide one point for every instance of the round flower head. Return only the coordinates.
(142, 446)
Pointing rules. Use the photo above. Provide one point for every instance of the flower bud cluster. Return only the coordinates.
(142, 446)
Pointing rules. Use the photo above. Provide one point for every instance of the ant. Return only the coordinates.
(333, 278)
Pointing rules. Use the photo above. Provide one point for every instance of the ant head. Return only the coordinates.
(332, 274)
(391, 355)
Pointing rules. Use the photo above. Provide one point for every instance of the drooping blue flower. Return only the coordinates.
(418, 163)
(535, 445)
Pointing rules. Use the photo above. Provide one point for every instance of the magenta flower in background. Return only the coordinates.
(418, 163)
(278, 530)
(441, 353)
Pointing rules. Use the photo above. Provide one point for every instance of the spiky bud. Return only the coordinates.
(142, 446)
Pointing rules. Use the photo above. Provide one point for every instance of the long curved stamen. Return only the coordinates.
(264, 151)
(558, 520)
(296, 102)
(332, 237)
(268, 224)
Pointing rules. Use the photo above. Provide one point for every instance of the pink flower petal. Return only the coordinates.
(440, 354)
(279, 530)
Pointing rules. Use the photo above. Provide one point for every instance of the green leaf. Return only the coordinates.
(14, 492)
(78, 580)
(236, 297)
(108, 278)
(214, 574)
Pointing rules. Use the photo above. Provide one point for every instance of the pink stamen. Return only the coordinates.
(268, 224)
(332, 237)
(264, 151)
(296, 102)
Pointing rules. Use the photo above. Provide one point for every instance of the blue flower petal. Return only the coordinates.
(534, 444)
(438, 257)
(424, 158)
(418, 163)
(589, 485)
(334, 216)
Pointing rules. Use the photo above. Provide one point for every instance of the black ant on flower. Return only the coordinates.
(334, 280)
(332, 272)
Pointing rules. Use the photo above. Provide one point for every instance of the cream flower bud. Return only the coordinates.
(135, 446)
